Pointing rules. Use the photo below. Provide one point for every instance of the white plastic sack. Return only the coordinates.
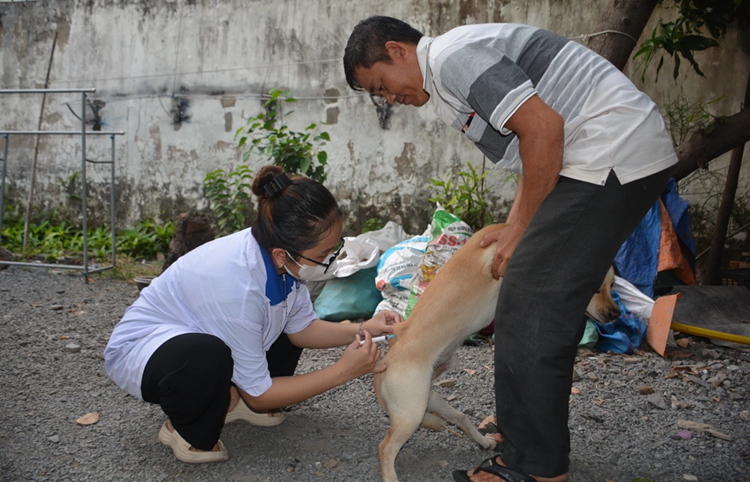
(387, 237)
(357, 254)
(633, 299)
(363, 251)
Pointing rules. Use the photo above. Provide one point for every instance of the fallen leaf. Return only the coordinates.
(470, 372)
(575, 390)
(678, 354)
(695, 426)
(598, 402)
(718, 434)
(330, 463)
(487, 367)
(65, 337)
(89, 419)
(716, 399)
(645, 390)
(683, 342)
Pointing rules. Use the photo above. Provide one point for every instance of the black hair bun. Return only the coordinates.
(265, 175)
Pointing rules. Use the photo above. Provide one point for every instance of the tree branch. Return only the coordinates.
(702, 147)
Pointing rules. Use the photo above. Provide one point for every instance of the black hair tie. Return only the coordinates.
(276, 185)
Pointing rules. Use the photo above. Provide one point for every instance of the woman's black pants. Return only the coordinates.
(190, 376)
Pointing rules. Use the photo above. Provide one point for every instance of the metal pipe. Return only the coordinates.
(83, 189)
(54, 266)
(47, 91)
(112, 205)
(2, 189)
(63, 133)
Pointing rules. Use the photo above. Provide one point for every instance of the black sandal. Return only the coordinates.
(491, 467)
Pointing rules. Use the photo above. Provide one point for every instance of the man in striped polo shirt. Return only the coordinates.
(592, 154)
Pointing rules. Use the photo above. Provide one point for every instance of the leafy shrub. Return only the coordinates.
(229, 194)
(464, 198)
(296, 152)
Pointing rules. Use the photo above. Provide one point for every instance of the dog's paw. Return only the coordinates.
(489, 442)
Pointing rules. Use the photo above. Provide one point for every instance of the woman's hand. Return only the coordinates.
(382, 323)
(359, 360)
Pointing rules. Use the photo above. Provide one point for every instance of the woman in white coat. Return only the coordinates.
(216, 338)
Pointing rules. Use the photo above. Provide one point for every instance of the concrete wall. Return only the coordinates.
(217, 57)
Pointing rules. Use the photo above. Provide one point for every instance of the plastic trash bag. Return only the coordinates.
(352, 297)
(633, 299)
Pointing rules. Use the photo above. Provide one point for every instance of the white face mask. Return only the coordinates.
(313, 273)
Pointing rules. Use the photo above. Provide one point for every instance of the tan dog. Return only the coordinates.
(460, 301)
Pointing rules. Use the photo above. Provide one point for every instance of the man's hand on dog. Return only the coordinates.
(507, 239)
(359, 360)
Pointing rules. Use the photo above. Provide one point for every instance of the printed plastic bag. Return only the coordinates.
(448, 234)
(395, 270)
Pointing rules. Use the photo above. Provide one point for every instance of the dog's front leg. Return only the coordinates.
(437, 405)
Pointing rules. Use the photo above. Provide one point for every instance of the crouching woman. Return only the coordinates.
(216, 338)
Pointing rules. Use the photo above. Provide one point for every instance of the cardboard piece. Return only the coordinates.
(660, 321)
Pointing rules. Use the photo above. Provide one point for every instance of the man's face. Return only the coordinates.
(398, 81)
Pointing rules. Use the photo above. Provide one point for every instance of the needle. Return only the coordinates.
(379, 338)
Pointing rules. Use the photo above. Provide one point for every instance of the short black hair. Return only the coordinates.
(366, 44)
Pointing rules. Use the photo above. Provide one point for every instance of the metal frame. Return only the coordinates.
(84, 197)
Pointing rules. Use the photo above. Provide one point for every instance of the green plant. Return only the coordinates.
(684, 36)
(684, 117)
(143, 240)
(464, 198)
(229, 194)
(372, 224)
(296, 152)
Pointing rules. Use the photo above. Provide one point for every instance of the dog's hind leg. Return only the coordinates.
(439, 406)
(406, 403)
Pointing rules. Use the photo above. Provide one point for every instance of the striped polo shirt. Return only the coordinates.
(479, 75)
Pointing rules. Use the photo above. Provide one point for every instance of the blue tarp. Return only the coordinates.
(622, 336)
(638, 258)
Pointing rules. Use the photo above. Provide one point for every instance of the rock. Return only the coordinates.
(689, 477)
(683, 342)
(444, 464)
(576, 375)
(72, 348)
(330, 463)
(54, 439)
(645, 390)
(592, 376)
(658, 401)
(680, 405)
(711, 353)
(736, 396)
(745, 416)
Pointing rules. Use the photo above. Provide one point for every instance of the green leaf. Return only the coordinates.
(322, 157)
(304, 166)
(325, 136)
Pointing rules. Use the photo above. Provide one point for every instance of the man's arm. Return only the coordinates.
(541, 137)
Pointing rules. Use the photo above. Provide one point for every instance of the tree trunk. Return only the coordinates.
(626, 16)
(630, 17)
(190, 231)
(725, 210)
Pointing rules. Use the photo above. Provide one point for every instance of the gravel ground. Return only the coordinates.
(617, 432)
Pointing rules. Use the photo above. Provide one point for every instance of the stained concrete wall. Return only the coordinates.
(210, 61)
